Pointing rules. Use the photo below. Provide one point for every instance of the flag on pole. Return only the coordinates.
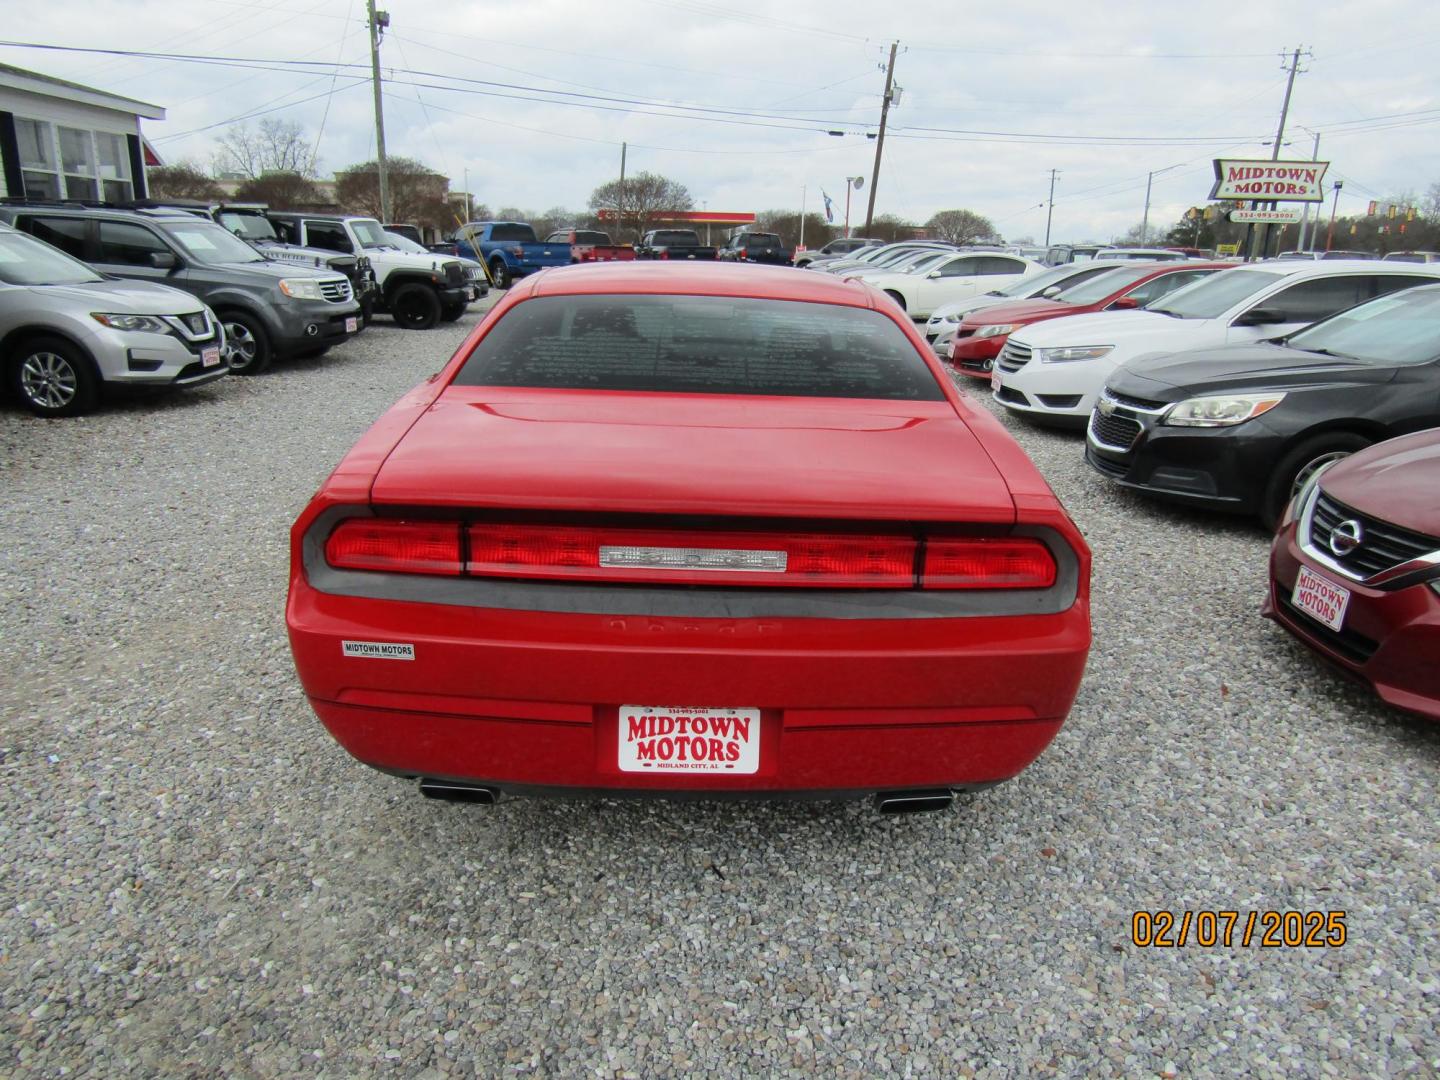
(829, 210)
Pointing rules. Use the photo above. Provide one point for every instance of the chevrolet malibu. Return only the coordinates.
(1355, 569)
(702, 529)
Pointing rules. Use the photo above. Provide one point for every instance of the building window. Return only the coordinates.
(71, 163)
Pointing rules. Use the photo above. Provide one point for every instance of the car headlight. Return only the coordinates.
(1221, 410)
(146, 323)
(995, 330)
(1073, 353)
(301, 288)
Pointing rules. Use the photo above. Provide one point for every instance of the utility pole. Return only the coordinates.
(880, 142)
(620, 200)
(1145, 218)
(804, 191)
(379, 20)
(1050, 206)
(1329, 236)
(1305, 221)
(1275, 154)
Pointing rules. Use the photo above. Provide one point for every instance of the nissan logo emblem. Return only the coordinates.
(1346, 537)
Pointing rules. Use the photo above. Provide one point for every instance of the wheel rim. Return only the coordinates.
(1314, 465)
(49, 380)
(240, 346)
(411, 311)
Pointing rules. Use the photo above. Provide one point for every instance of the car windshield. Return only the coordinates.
(404, 243)
(1094, 289)
(27, 261)
(248, 226)
(206, 242)
(1211, 297)
(370, 233)
(700, 345)
(1402, 328)
(921, 260)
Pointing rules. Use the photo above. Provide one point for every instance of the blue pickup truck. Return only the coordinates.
(509, 248)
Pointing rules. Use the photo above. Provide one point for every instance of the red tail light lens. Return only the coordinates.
(692, 558)
(742, 253)
(664, 254)
(983, 563)
(405, 547)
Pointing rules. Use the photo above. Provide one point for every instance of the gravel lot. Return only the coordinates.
(197, 881)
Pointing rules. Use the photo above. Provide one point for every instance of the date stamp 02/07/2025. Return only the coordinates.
(1228, 929)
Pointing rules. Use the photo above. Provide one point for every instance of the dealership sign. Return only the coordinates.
(1284, 181)
(1288, 215)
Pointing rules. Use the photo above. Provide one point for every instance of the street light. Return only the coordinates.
(854, 183)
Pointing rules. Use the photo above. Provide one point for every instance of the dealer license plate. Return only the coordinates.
(686, 739)
(1320, 598)
(352, 324)
(210, 357)
(995, 381)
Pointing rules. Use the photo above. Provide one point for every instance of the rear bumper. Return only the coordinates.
(529, 699)
(1388, 640)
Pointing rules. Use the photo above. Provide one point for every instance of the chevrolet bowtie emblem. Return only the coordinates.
(1106, 406)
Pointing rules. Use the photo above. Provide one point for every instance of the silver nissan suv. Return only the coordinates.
(66, 333)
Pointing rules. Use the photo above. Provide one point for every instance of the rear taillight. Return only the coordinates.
(690, 557)
(983, 563)
(405, 547)
(742, 253)
(664, 254)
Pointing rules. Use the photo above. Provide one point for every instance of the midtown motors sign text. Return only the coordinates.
(1281, 181)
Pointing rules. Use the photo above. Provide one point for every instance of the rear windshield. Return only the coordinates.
(700, 345)
(520, 234)
(584, 236)
(759, 240)
(677, 236)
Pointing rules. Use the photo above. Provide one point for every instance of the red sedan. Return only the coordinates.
(747, 490)
(982, 334)
(1355, 569)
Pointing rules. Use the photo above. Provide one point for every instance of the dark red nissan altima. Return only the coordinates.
(701, 529)
(1355, 569)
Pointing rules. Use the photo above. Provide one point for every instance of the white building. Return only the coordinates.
(61, 140)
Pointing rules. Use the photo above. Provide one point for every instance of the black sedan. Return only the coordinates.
(1241, 428)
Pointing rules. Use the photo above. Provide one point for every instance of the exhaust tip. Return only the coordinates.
(914, 802)
(453, 791)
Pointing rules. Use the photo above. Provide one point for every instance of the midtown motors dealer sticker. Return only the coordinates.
(378, 650)
(685, 739)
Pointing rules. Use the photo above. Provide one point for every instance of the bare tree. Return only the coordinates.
(891, 227)
(281, 190)
(418, 194)
(646, 196)
(275, 146)
(960, 226)
(182, 180)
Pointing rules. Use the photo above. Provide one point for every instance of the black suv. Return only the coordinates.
(756, 247)
(269, 310)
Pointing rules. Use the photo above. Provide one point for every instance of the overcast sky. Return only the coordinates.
(1178, 84)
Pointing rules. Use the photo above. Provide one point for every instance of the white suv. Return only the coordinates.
(1055, 370)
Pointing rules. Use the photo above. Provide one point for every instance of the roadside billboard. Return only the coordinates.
(1269, 181)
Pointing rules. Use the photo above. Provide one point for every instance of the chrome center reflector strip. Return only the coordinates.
(687, 558)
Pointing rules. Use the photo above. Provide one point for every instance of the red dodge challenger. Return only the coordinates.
(690, 529)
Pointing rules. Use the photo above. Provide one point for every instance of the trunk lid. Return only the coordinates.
(695, 454)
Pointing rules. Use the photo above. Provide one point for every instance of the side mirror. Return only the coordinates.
(163, 260)
(1260, 316)
(933, 274)
(1050, 293)
(1125, 303)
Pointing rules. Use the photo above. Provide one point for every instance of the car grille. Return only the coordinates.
(1013, 357)
(475, 273)
(336, 290)
(1134, 403)
(1382, 546)
(1356, 648)
(1114, 432)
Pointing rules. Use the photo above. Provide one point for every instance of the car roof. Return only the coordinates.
(100, 211)
(709, 279)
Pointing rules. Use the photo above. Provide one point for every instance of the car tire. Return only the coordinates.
(415, 307)
(247, 346)
(53, 378)
(1300, 463)
(896, 297)
(451, 312)
(500, 273)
